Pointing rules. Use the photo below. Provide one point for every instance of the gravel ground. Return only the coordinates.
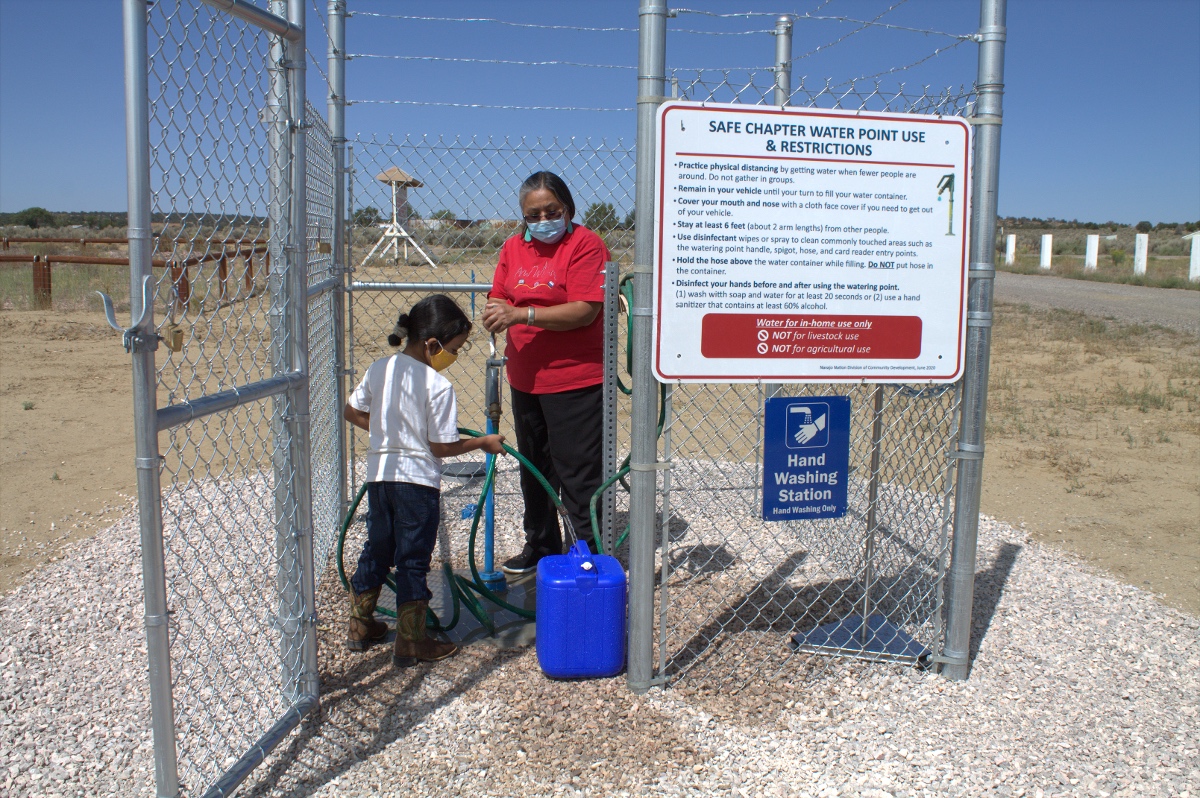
(1081, 686)
(1174, 308)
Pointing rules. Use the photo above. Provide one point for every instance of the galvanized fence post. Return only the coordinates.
(304, 579)
(145, 398)
(279, 238)
(652, 48)
(783, 59)
(287, 230)
(783, 93)
(960, 582)
(337, 129)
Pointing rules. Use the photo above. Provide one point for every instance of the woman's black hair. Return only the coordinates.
(552, 183)
(436, 316)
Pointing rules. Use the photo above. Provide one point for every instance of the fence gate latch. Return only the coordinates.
(134, 339)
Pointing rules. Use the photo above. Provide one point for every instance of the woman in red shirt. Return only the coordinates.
(547, 295)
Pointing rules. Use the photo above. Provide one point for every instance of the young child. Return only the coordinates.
(411, 412)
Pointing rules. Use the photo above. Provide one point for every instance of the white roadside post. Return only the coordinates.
(1010, 249)
(1093, 253)
(1047, 250)
(1141, 246)
(1194, 264)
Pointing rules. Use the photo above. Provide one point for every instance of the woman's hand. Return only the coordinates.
(498, 315)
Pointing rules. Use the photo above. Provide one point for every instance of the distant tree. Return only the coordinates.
(600, 216)
(1144, 227)
(367, 217)
(35, 217)
(630, 219)
(443, 214)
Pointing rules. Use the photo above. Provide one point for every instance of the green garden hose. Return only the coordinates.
(461, 588)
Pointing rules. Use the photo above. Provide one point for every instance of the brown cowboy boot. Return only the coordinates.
(363, 629)
(411, 642)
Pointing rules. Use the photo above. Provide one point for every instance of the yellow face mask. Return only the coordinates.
(442, 359)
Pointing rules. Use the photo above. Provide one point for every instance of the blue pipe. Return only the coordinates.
(492, 579)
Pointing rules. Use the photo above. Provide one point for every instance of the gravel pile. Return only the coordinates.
(1081, 686)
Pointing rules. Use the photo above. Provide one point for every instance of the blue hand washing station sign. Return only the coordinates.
(806, 457)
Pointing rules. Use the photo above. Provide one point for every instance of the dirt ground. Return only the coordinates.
(1093, 440)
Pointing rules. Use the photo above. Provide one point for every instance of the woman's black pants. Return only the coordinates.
(562, 435)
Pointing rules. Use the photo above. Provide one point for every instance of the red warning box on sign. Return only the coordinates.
(748, 335)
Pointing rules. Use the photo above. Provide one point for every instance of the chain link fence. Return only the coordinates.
(449, 230)
(242, 454)
(734, 592)
(324, 355)
(226, 166)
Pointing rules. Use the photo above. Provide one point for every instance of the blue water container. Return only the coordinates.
(580, 614)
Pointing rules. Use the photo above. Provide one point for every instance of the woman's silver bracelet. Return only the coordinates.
(529, 317)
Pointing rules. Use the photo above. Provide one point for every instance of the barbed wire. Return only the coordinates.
(541, 26)
(317, 64)
(863, 25)
(488, 61)
(320, 15)
(809, 15)
(507, 62)
(493, 20)
(846, 36)
(894, 70)
(489, 107)
(328, 41)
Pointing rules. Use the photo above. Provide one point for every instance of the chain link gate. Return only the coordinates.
(231, 198)
(731, 590)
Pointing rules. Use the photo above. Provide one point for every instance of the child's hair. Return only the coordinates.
(436, 316)
(554, 184)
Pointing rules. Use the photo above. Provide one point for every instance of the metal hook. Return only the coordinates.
(132, 337)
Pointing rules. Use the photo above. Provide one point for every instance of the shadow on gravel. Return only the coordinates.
(366, 708)
(989, 587)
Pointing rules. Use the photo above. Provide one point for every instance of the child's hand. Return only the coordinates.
(491, 444)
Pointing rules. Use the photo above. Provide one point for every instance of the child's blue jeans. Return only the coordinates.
(402, 524)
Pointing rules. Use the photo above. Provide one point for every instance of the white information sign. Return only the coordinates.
(810, 245)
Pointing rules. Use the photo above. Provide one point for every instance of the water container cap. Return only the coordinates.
(588, 575)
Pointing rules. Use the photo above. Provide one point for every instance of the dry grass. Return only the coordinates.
(1093, 436)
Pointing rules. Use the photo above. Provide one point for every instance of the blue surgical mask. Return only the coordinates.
(548, 231)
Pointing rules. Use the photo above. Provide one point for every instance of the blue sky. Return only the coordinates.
(1102, 103)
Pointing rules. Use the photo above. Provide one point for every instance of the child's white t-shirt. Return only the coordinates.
(410, 405)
